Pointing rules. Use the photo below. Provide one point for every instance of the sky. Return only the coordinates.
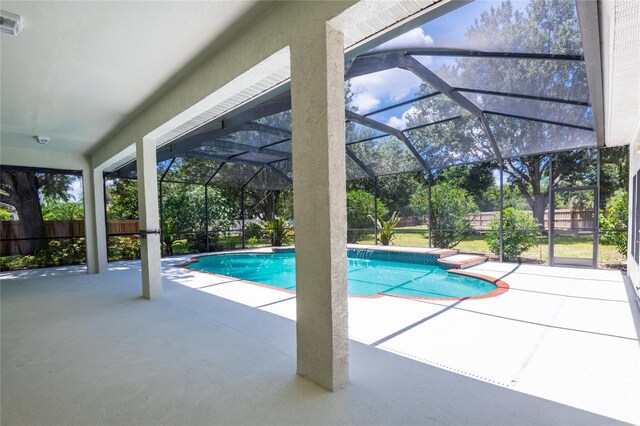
(377, 90)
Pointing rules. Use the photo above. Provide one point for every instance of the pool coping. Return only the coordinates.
(501, 286)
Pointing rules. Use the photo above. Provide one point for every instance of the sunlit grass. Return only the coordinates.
(565, 246)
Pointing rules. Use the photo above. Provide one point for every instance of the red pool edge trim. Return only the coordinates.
(501, 286)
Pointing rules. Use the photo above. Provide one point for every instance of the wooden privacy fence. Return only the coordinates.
(566, 219)
(11, 231)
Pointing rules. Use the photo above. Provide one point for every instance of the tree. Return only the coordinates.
(5, 214)
(360, 207)
(122, 196)
(476, 179)
(615, 221)
(64, 210)
(517, 235)
(450, 210)
(395, 190)
(22, 189)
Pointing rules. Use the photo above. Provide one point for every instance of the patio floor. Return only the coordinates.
(561, 346)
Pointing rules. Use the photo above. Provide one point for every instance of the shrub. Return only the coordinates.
(57, 253)
(450, 210)
(253, 230)
(386, 228)
(515, 239)
(123, 248)
(278, 230)
(359, 210)
(617, 214)
(252, 242)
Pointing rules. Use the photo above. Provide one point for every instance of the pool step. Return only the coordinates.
(462, 261)
(445, 252)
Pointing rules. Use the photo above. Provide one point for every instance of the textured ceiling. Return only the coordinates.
(78, 69)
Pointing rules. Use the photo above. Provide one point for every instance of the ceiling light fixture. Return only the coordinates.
(42, 139)
(10, 23)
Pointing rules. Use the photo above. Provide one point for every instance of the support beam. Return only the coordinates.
(95, 222)
(588, 18)
(149, 218)
(360, 164)
(411, 64)
(317, 95)
(222, 158)
(350, 115)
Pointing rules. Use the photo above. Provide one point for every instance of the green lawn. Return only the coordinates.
(565, 246)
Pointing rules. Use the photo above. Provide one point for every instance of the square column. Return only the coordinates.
(149, 218)
(94, 220)
(319, 185)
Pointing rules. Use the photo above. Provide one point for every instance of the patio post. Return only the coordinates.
(149, 218)
(93, 188)
(375, 208)
(319, 169)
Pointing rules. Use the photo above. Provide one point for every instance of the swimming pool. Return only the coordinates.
(368, 275)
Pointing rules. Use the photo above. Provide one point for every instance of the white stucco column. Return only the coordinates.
(317, 97)
(94, 220)
(149, 218)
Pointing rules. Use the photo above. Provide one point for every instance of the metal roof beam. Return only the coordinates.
(204, 156)
(541, 120)
(350, 115)
(520, 96)
(364, 64)
(360, 164)
(260, 111)
(214, 174)
(467, 53)
(275, 131)
(248, 148)
(252, 177)
(411, 64)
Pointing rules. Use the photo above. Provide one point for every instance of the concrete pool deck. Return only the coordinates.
(561, 346)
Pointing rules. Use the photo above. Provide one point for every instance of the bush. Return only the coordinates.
(359, 210)
(123, 248)
(252, 242)
(57, 253)
(450, 210)
(278, 230)
(386, 229)
(515, 239)
(253, 230)
(617, 214)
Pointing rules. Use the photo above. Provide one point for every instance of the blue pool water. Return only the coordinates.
(367, 277)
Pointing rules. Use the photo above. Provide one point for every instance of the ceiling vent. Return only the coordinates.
(10, 23)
